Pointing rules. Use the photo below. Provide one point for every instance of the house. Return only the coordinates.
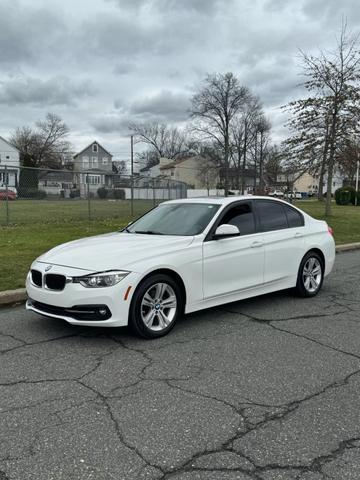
(9, 157)
(54, 182)
(150, 172)
(189, 170)
(93, 168)
(306, 182)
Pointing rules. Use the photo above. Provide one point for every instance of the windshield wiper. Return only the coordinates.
(148, 232)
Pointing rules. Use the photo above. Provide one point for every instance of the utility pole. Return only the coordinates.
(261, 181)
(132, 174)
(357, 182)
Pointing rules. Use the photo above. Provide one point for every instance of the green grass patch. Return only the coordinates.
(345, 219)
(40, 225)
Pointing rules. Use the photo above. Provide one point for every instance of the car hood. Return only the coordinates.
(117, 250)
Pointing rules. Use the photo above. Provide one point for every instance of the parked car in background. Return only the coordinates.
(7, 194)
(182, 256)
(292, 195)
(276, 193)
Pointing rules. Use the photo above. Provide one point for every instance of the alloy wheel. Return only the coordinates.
(312, 274)
(158, 307)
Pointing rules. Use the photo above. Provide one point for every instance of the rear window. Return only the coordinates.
(271, 215)
(294, 218)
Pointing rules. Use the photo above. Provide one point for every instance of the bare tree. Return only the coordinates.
(208, 173)
(242, 136)
(332, 82)
(262, 128)
(163, 140)
(215, 106)
(42, 146)
(119, 167)
(348, 158)
(273, 163)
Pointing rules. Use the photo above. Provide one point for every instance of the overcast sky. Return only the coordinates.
(101, 63)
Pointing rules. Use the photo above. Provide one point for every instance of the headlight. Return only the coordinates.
(101, 279)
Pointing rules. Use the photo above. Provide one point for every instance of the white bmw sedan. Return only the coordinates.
(182, 256)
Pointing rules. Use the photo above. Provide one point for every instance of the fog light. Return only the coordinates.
(102, 311)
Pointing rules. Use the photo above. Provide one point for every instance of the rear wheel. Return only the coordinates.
(156, 305)
(310, 275)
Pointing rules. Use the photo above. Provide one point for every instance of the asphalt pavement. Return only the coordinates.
(267, 388)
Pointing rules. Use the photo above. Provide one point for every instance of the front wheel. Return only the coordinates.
(156, 305)
(310, 275)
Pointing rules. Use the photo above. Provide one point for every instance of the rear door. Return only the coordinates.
(236, 263)
(283, 237)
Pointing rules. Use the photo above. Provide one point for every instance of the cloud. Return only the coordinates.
(164, 105)
(39, 92)
(111, 123)
(145, 57)
(27, 33)
(164, 6)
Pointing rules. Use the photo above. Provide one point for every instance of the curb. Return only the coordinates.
(347, 247)
(9, 297)
(12, 296)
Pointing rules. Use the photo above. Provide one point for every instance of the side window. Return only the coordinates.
(242, 216)
(271, 215)
(294, 218)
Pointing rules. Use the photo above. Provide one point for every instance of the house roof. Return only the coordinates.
(176, 162)
(10, 144)
(90, 144)
(57, 176)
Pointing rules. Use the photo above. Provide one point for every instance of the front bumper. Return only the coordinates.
(77, 312)
(79, 305)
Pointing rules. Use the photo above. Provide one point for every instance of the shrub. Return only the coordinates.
(102, 192)
(345, 196)
(119, 194)
(75, 193)
(32, 193)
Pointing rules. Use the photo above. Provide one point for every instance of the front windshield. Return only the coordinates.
(175, 219)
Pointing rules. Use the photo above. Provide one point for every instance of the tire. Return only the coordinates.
(310, 276)
(150, 316)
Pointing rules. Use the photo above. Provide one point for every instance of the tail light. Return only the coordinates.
(330, 230)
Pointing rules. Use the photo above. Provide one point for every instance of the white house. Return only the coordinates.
(9, 157)
(150, 172)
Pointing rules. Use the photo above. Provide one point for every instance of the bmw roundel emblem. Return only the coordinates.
(48, 268)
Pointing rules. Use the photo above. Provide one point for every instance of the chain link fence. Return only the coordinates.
(30, 195)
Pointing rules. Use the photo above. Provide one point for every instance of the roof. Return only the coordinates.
(10, 144)
(90, 144)
(57, 176)
(176, 162)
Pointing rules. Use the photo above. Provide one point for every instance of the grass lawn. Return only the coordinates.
(345, 220)
(40, 225)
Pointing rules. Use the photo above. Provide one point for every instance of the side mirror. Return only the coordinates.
(225, 231)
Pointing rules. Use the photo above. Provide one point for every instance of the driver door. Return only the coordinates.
(234, 264)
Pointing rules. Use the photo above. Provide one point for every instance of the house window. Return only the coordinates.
(95, 148)
(172, 173)
(94, 162)
(105, 160)
(94, 179)
(85, 162)
(7, 157)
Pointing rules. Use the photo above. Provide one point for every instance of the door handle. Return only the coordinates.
(298, 235)
(257, 244)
